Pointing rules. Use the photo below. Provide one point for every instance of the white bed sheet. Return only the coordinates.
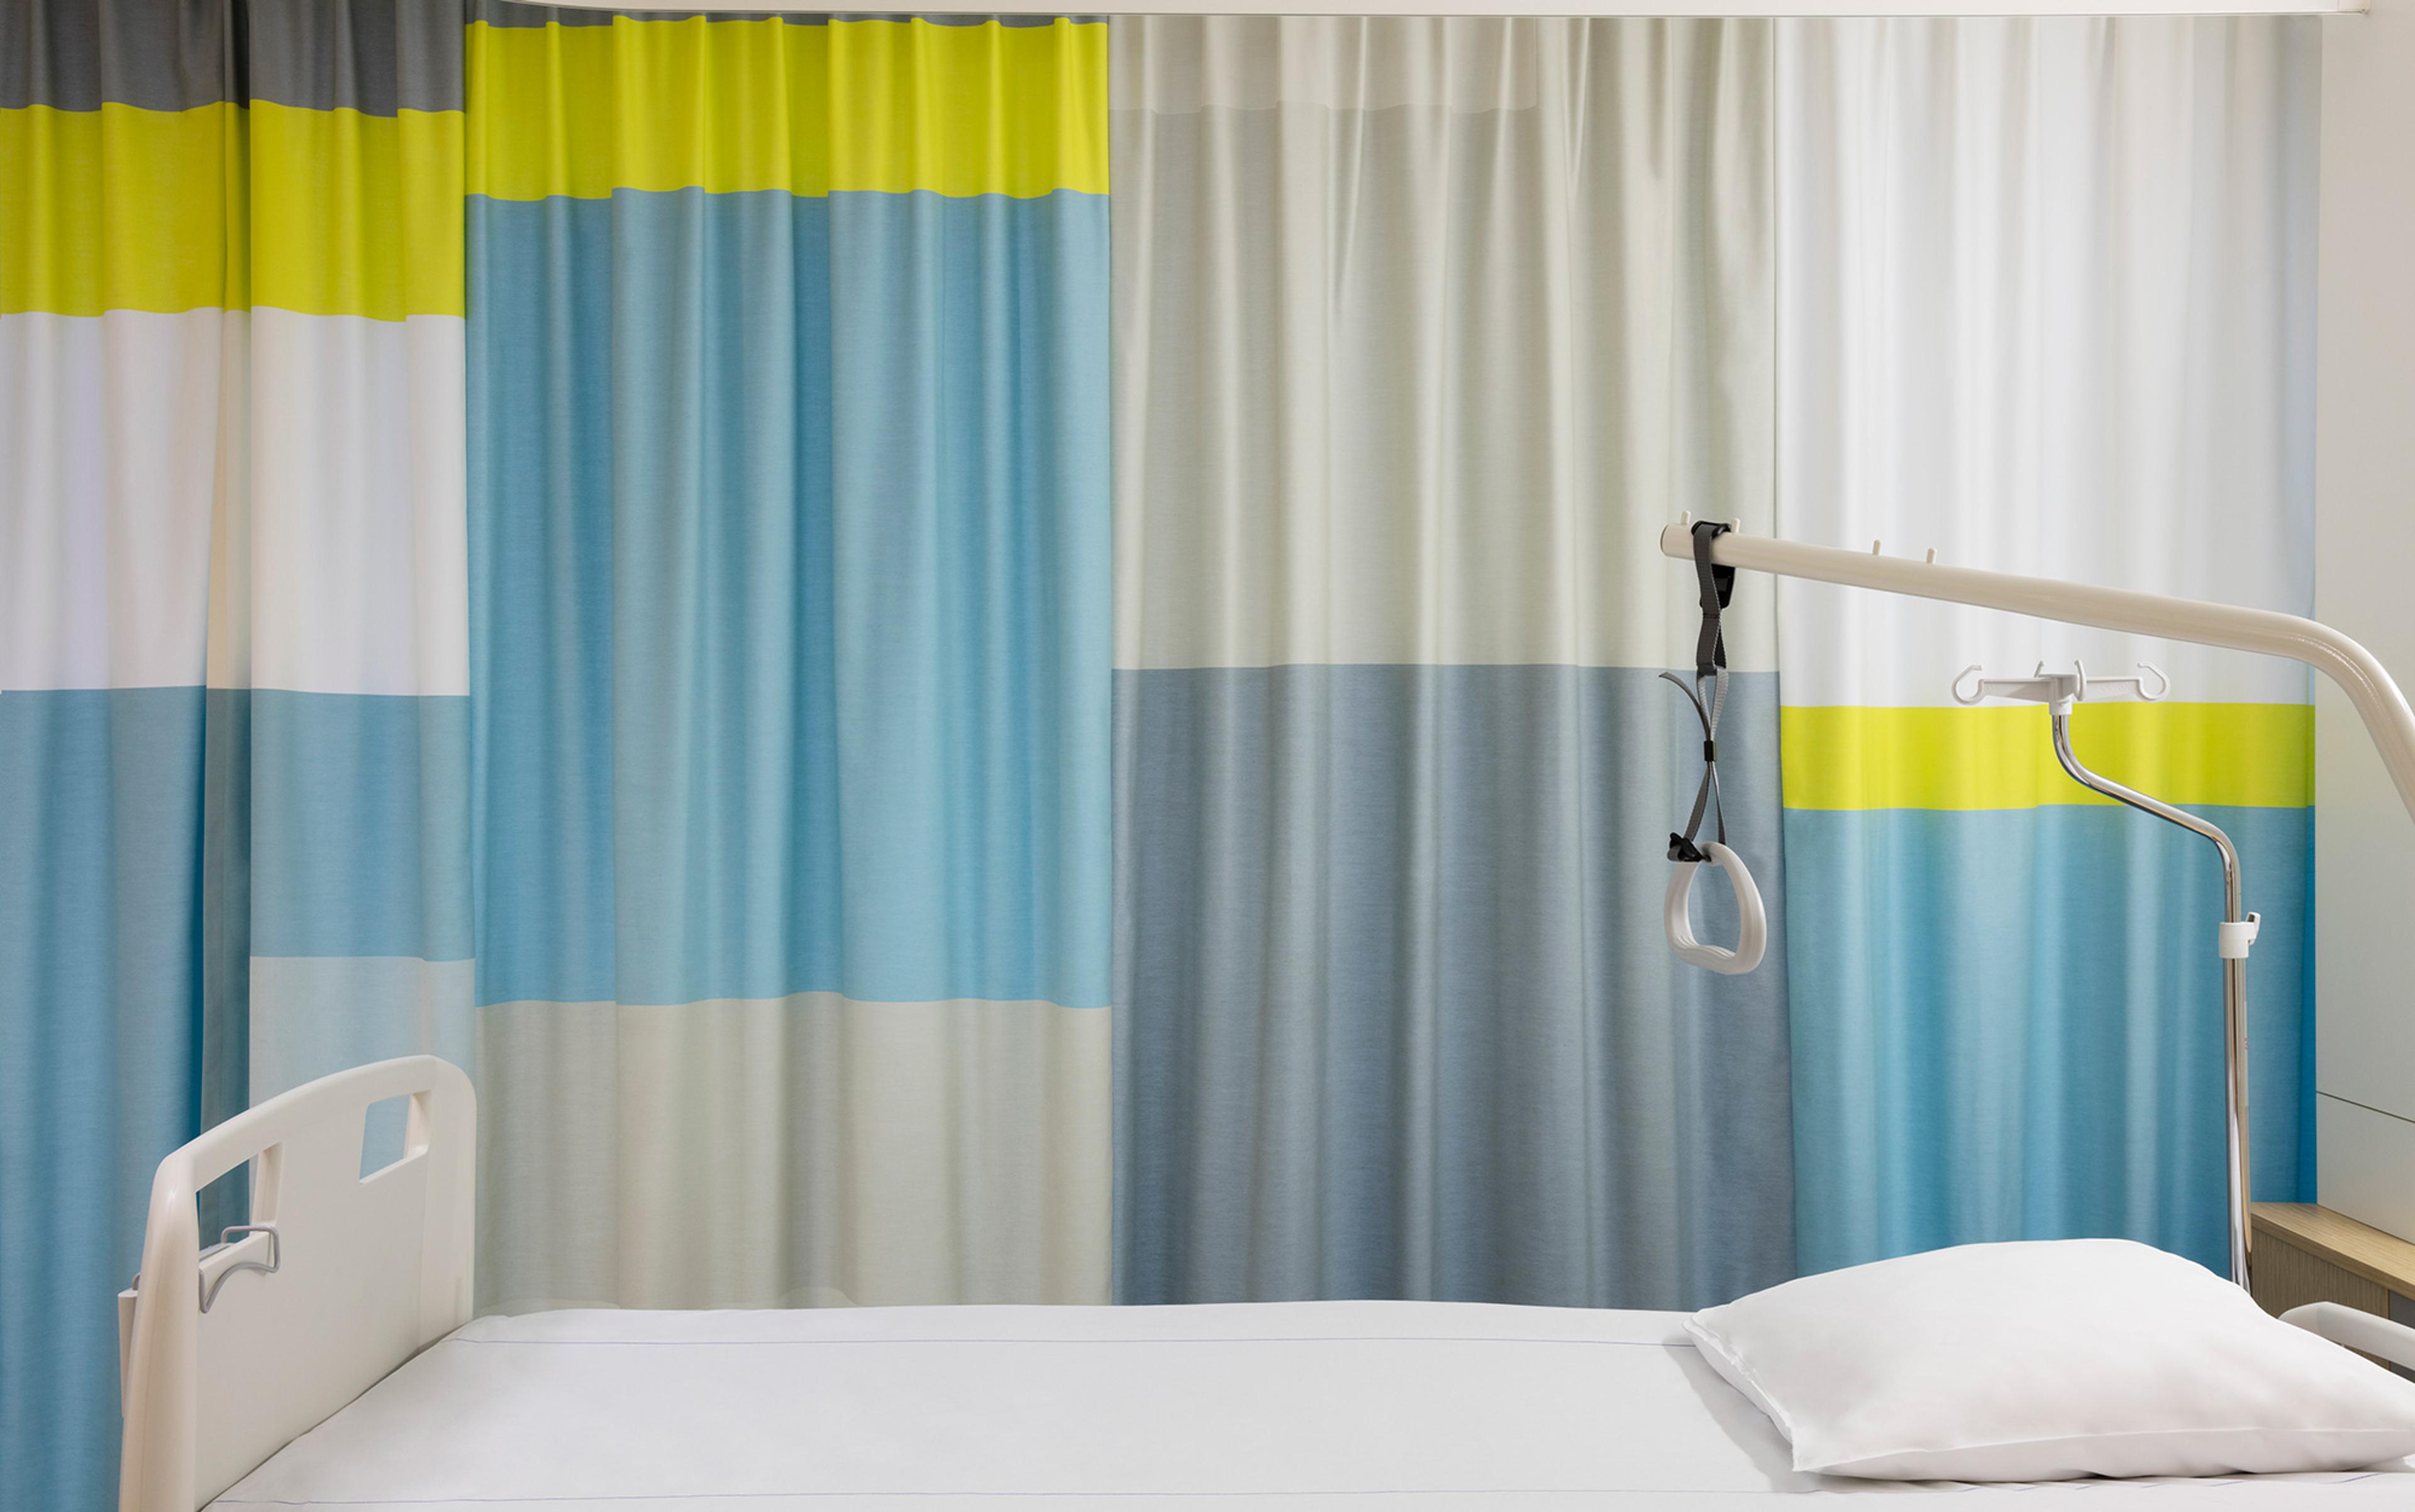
(1274, 1405)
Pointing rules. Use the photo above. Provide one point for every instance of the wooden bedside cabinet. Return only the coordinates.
(2304, 1253)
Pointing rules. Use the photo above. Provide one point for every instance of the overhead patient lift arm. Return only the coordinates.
(2359, 674)
(2059, 692)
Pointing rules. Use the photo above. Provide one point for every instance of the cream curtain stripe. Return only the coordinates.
(1425, 327)
(800, 1151)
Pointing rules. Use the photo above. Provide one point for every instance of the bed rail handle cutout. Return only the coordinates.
(213, 1284)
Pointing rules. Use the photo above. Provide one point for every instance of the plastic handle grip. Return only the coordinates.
(1752, 939)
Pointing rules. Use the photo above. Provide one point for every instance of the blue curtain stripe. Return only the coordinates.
(358, 807)
(2040, 986)
(1412, 1028)
(789, 682)
(100, 1036)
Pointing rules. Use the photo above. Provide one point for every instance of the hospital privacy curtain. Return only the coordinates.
(233, 618)
(1422, 329)
(581, 542)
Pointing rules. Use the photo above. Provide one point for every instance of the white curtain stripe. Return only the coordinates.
(2044, 304)
(350, 571)
(111, 433)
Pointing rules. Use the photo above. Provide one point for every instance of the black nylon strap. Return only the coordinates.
(1717, 586)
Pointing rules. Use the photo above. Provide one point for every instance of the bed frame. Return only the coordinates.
(345, 1276)
(230, 1352)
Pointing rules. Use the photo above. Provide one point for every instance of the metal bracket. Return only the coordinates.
(2061, 689)
(268, 1267)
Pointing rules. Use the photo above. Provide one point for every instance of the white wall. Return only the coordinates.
(2365, 584)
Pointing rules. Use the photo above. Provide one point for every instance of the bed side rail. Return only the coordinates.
(2370, 1332)
(231, 1350)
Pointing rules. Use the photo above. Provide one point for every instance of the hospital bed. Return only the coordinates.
(326, 1357)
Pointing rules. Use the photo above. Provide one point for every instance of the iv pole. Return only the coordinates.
(2238, 932)
(2059, 691)
(2357, 672)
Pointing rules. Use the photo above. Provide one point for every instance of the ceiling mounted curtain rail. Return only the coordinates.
(1722, 9)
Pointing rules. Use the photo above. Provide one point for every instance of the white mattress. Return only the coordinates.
(1312, 1405)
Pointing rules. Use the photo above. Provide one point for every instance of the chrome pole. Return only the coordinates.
(2234, 972)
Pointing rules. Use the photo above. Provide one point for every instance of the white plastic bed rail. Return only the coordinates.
(2370, 1332)
(361, 1273)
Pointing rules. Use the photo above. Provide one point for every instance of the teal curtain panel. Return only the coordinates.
(790, 612)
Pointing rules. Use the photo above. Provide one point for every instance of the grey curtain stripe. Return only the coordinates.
(158, 54)
(1397, 1019)
(375, 57)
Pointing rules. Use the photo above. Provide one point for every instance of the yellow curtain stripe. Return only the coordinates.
(730, 106)
(1999, 756)
(324, 212)
(357, 215)
(121, 208)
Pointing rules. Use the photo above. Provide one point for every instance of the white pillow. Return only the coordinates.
(2046, 1361)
